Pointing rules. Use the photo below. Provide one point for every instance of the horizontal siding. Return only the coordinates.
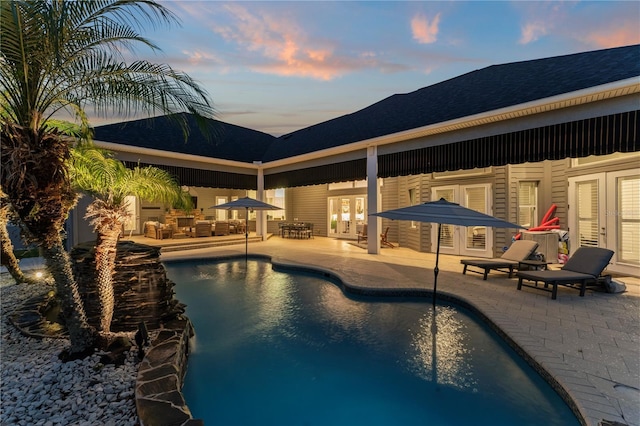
(308, 204)
(389, 197)
(559, 191)
(502, 203)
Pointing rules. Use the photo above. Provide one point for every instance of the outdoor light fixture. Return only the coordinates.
(39, 274)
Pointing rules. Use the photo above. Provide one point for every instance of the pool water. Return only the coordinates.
(274, 348)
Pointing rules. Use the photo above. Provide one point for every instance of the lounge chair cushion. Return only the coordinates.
(589, 260)
(520, 250)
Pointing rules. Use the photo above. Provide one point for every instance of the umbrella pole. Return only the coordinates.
(246, 236)
(436, 270)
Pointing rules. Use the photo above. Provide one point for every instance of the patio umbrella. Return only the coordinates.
(443, 211)
(247, 204)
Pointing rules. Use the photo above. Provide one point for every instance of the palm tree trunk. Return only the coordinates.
(106, 246)
(59, 265)
(8, 256)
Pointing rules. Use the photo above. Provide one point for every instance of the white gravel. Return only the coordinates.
(36, 388)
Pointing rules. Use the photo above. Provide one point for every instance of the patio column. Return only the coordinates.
(261, 216)
(373, 201)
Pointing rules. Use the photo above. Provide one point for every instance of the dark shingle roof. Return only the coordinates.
(487, 89)
(227, 141)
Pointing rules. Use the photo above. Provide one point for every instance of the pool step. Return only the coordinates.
(191, 243)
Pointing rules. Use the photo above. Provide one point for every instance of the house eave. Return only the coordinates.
(566, 100)
(174, 155)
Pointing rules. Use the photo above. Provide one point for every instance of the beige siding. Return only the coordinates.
(308, 204)
(389, 199)
(502, 205)
(559, 191)
(410, 237)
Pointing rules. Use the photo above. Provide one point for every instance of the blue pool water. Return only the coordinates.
(276, 348)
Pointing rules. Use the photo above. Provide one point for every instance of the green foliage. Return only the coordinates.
(62, 57)
(68, 55)
(96, 172)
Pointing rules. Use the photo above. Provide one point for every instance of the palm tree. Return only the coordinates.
(7, 254)
(96, 173)
(60, 56)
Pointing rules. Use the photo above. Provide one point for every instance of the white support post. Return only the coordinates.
(373, 201)
(261, 216)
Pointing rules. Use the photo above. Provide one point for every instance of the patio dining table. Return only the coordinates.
(296, 230)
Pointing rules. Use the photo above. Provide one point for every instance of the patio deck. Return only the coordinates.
(192, 243)
(590, 346)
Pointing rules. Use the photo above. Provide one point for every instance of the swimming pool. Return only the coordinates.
(275, 348)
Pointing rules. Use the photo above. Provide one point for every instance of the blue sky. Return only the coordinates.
(281, 66)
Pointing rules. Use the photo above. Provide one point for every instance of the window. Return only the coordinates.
(527, 203)
(275, 197)
(234, 213)
(628, 219)
(221, 215)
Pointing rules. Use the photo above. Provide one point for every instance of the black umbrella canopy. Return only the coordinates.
(443, 211)
(247, 204)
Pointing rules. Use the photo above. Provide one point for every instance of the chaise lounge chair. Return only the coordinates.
(520, 250)
(585, 266)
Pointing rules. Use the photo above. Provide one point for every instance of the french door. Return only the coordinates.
(604, 211)
(347, 215)
(459, 240)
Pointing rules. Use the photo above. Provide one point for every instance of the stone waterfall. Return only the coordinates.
(141, 289)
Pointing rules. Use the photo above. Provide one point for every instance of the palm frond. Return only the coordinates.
(67, 55)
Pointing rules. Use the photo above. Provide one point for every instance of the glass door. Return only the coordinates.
(475, 238)
(344, 218)
(461, 240)
(347, 215)
(625, 195)
(448, 240)
(604, 211)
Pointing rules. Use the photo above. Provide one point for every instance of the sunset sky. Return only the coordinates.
(281, 66)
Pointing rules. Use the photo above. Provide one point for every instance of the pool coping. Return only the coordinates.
(509, 336)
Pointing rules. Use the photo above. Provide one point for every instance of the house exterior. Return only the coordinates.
(509, 140)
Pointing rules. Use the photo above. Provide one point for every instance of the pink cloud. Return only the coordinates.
(621, 35)
(282, 43)
(532, 31)
(597, 24)
(425, 32)
(197, 57)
